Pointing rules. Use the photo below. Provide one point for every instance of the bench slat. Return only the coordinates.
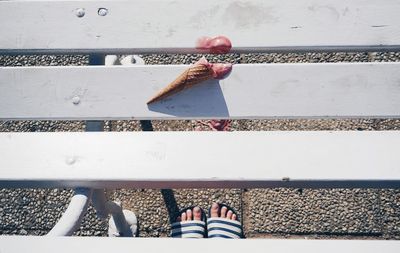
(200, 159)
(251, 91)
(161, 26)
(33, 244)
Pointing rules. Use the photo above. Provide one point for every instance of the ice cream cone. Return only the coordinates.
(194, 75)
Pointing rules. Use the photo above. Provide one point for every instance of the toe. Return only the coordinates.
(223, 211)
(229, 215)
(214, 210)
(234, 217)
(197, 213)
(183, 216)
(189, 215)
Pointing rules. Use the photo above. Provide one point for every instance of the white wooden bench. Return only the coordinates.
(156, 159)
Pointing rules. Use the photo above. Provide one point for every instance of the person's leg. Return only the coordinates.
(223, 222)
(189, 224)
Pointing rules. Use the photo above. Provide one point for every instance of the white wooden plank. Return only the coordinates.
(200, 159)
(174, 26)
(10, 244)
(250, 91)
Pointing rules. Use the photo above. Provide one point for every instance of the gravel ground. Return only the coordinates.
(316, 213)
(310, 211)
(36, 211)
(390, 213)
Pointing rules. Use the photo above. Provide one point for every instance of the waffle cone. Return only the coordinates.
(192, 76)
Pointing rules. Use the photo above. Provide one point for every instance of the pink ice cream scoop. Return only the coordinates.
(216, 45)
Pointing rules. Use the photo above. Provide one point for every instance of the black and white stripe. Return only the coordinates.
(224, 228)
(188, 229)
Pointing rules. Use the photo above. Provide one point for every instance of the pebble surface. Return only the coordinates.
(319, 213)
(310, 211)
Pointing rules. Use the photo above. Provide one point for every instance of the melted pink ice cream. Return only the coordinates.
(216, 45)
(220, 70)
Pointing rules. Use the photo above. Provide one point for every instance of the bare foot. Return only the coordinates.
(223, 223)
(223, 213)
(194, 214)
(189, 224)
